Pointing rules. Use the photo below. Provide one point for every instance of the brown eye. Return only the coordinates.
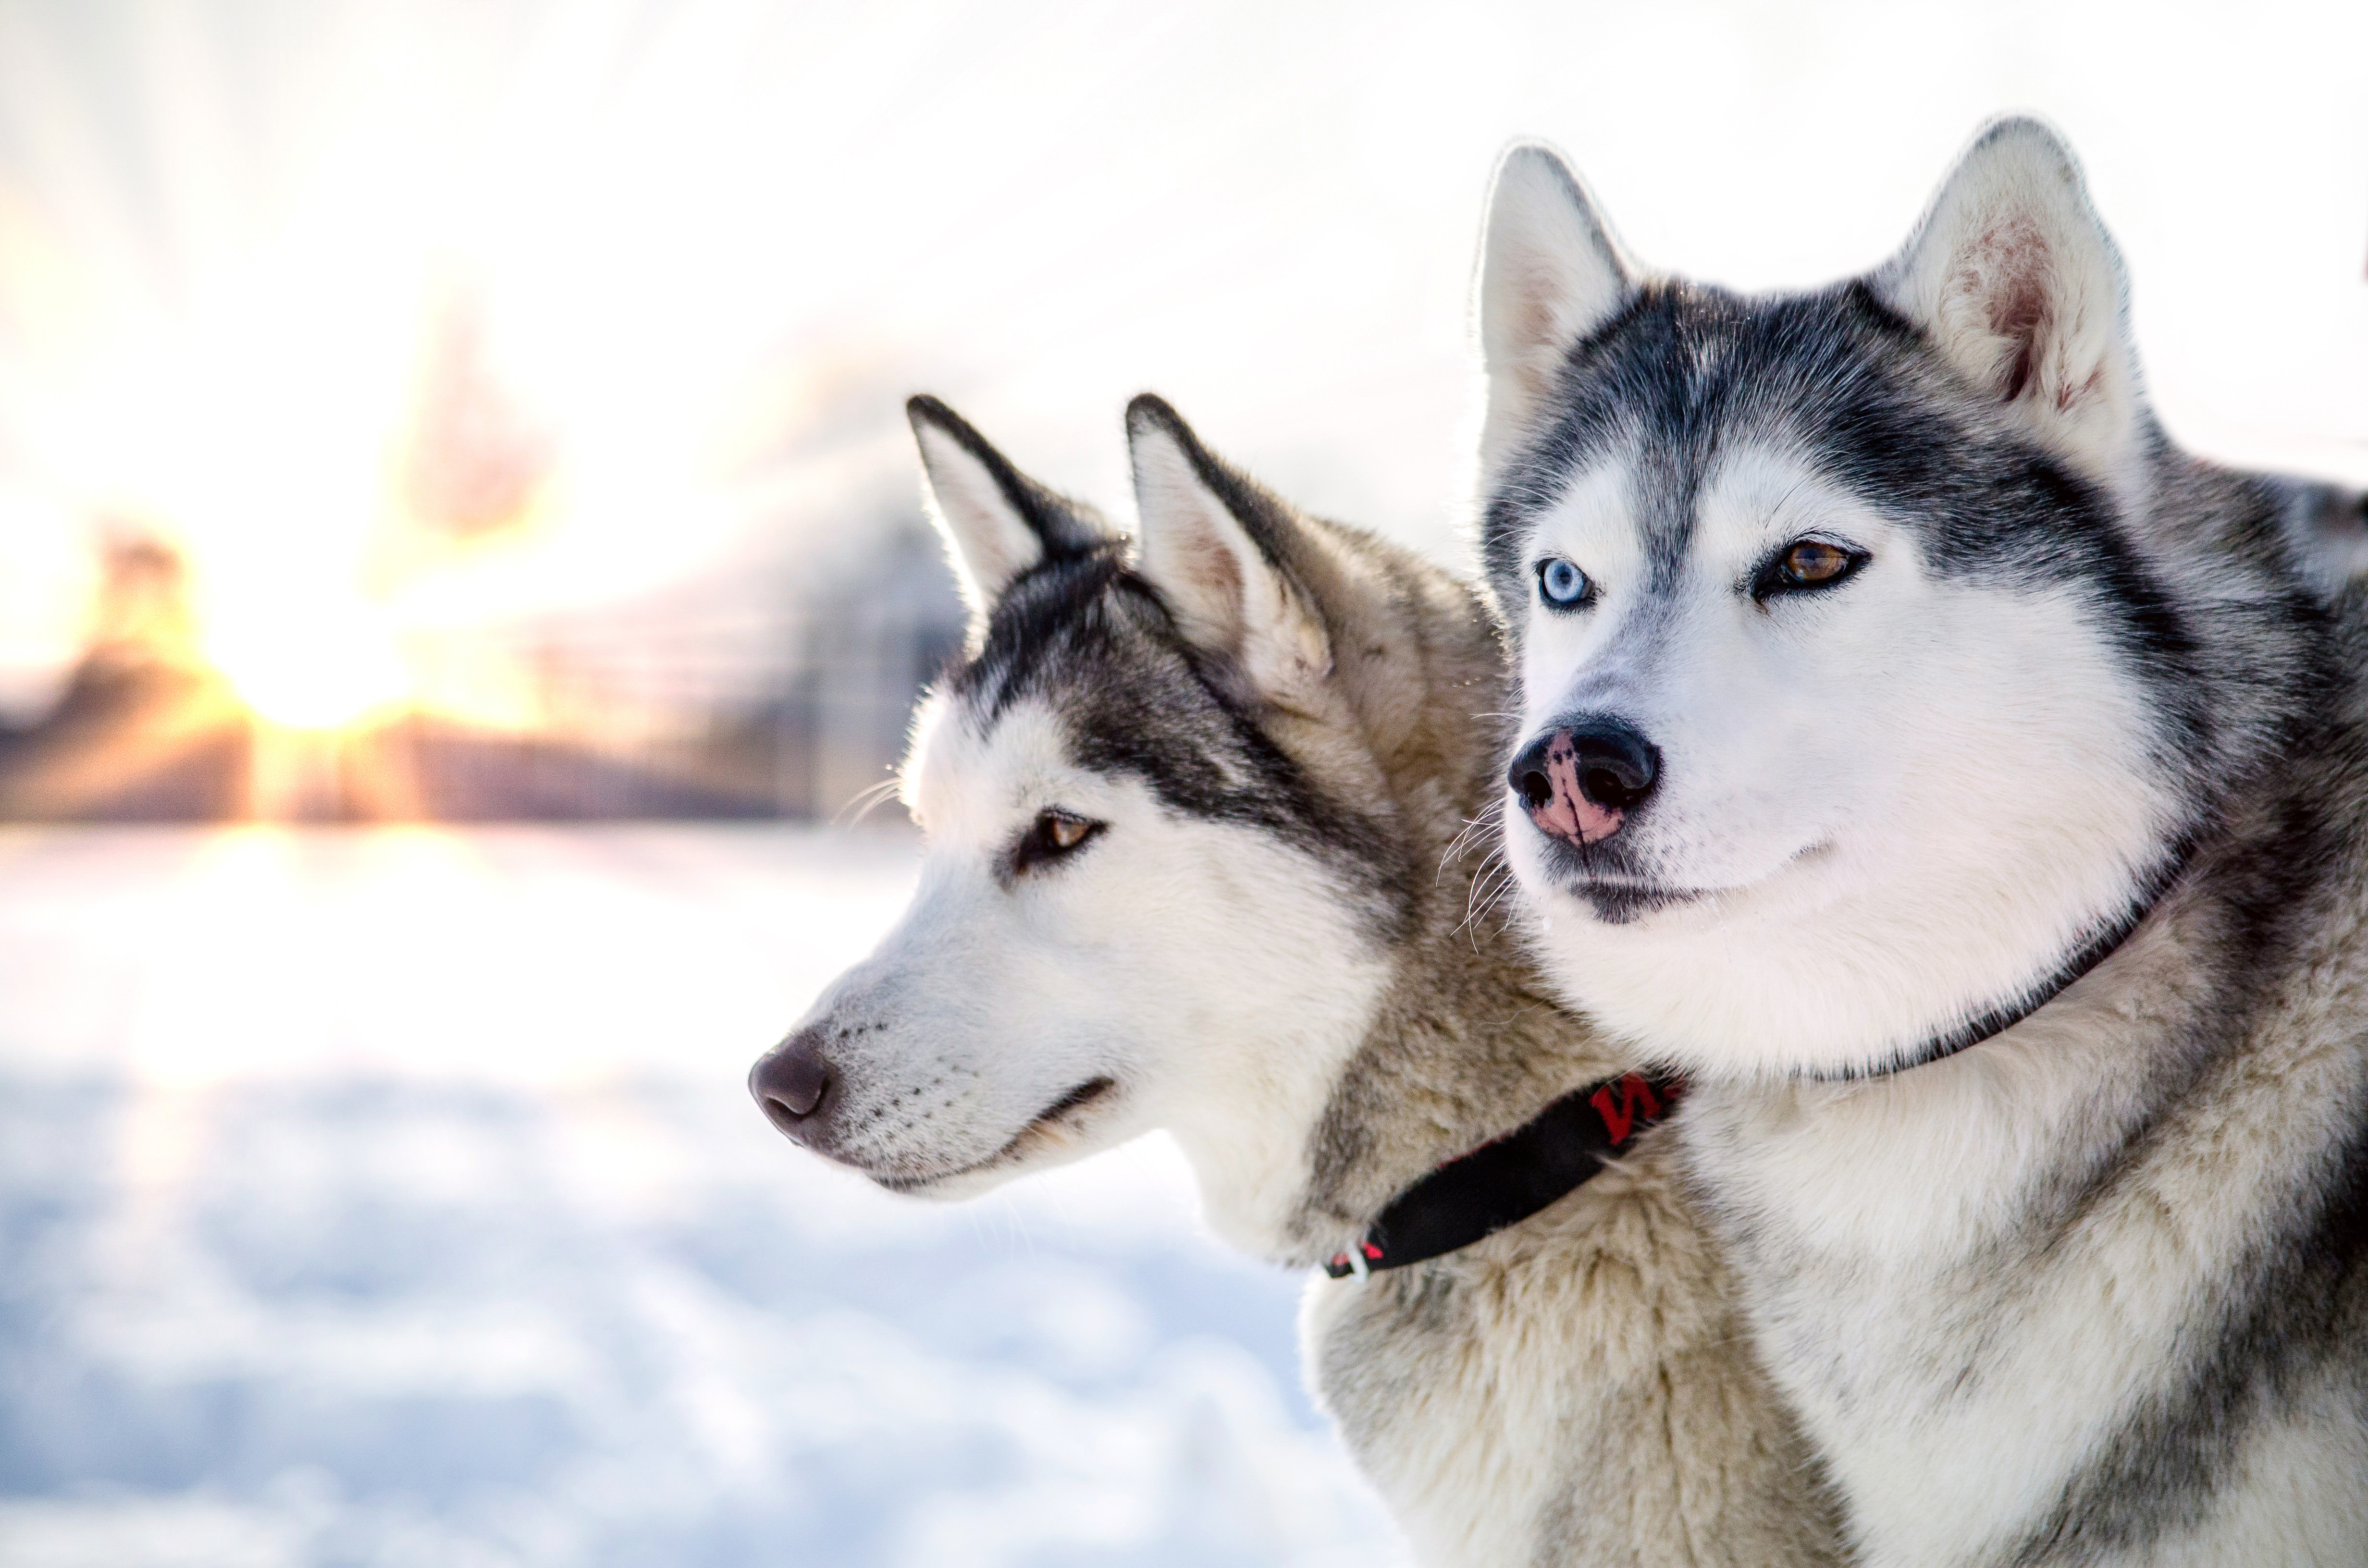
(1052, 835)
(1813, 560)
(1806, 563)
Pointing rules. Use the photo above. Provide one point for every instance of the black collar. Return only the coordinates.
(2005, 1015)
(1504, 1182)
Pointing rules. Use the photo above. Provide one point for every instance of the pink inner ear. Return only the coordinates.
(1539, 338)
(2011, 269)
(1218, 570)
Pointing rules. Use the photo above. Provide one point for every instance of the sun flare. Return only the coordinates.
(316, 666)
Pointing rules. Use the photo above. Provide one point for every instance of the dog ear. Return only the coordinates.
(1214, 545)
(996, 521)
(2011, 276)
(1551, 274)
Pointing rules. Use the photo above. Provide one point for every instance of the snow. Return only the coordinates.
(391, 1198)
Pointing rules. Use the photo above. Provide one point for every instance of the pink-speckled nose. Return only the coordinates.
(1579, 781)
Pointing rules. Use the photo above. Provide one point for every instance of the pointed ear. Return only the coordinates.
(996, 521)
(2014, 280)
(1551, 274)
(1216, 546)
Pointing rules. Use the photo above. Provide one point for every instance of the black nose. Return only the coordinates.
(1581, 779)
(791, 1082)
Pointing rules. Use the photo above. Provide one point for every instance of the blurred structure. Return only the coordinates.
(838, 718)
(781, 697)
(781, 694)
(144, 729)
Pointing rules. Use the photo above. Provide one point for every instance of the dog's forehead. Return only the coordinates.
(974, 770)
(1750, 492)
(1078, 679)
(1759, 493)
(1713, 406)
(1075, 625)
(1593, 520)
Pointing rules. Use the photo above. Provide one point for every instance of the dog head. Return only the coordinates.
(1136, 909)
(1860, 681)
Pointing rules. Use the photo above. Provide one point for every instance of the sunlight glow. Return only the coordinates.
(318, 666)
(696, 252)
(254, 434)
(430, 382)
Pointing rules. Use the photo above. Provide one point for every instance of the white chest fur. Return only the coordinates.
(1990, 1281)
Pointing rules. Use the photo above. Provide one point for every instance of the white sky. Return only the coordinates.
(712, 230)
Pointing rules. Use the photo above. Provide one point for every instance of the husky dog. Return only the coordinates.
(1968, 788)
(1197, 859)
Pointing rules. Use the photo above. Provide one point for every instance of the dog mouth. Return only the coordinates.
(1047, 1125)
(1607, 878)
(1084, 1094)
(1619, 899)
(1618, 903)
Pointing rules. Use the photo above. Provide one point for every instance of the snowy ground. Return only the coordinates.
(391, 1198)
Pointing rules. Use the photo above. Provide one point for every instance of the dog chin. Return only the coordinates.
(952, 1186)
(1060, 1133)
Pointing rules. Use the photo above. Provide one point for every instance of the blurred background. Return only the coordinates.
(459, 564)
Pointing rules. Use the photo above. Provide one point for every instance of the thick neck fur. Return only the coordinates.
(1463, 1042)
(2042, 1302)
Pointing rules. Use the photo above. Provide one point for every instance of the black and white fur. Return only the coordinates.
(2090, 1292)
(1197, 859)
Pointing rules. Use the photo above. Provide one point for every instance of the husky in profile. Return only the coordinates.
(1197, 859)
(1968, 789)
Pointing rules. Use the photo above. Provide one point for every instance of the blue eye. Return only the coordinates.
(1561, 582)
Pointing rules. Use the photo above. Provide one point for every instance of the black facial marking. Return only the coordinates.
(1095, 642)
(1805, 566)
(1687, 372)
(1052, 839)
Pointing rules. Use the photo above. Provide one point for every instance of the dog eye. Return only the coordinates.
(1563, 586)
(1806, 563)
(1052, 835)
